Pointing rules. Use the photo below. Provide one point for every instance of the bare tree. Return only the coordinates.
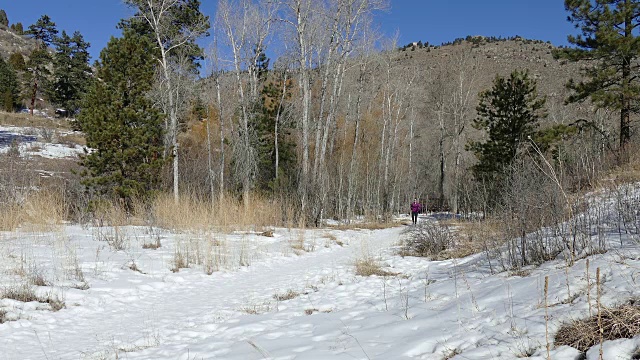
(246, 25)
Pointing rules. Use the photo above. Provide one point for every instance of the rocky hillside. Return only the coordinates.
(11, 42)
(484, 59)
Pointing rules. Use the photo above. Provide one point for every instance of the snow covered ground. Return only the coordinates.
(32, 142)
(291, 296)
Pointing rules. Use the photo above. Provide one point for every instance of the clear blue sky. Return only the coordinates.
(435, 21)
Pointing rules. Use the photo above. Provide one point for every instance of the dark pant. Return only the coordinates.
(414, 217)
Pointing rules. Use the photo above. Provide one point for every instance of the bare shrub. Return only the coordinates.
(180, 259)
(427, 239)
(619, 322)
(37, 278)
(3, 316)
(54, 302)
(48, 134)
(114, 237)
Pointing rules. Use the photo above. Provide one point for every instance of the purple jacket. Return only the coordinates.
(415, 207)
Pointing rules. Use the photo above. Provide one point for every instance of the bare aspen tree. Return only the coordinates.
(215, 97)
(463, 97)
(325, 33)
(396, 101)
(438, 102)
(246, 25)
(174, 25)
(363, 60)
(299, 14)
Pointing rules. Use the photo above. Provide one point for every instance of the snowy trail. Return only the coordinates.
(431, 310)
(166, 314)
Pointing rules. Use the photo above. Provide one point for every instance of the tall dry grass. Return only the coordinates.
(39, 210)
(192, 213)
(26, 120)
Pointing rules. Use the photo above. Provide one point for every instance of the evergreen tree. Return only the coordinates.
(4, 20)
(120, 122)
(16, 60)
(609, 35)
(44, 32)
(509, 113)
(9, 90)
(71, 71)
(17, 28)
(273, 131)
(36, 78)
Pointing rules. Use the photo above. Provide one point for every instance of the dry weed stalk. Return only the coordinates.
(599, 295)
(546, 316)
(588, 289)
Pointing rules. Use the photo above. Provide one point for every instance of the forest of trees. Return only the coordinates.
(302, 102)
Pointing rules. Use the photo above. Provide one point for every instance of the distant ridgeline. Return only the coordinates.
(475, 40)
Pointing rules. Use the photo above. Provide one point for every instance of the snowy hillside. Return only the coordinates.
(295, 295)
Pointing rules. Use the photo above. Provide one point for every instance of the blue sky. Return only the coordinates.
(435, 21)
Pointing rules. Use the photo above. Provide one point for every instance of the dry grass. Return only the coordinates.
(25, 293)
(191, 213)
(366, 225)
(472, 237)
(40, 210)
(369, 266)
(72, 139)
(617, 323)
(22, 293)
(26, 120)
(288, 295)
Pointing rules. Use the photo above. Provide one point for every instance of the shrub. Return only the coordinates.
(427, 239)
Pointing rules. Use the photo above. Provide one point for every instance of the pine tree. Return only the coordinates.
(17, 28)
(121, 124)
(509, 113)
(71, 71)
(16, 60)
(272, 131)
(9, 90)
(44, 32)
(175, 26)
(4, 20)
(609, 35)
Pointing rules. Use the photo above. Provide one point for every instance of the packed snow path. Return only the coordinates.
(126, 311)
